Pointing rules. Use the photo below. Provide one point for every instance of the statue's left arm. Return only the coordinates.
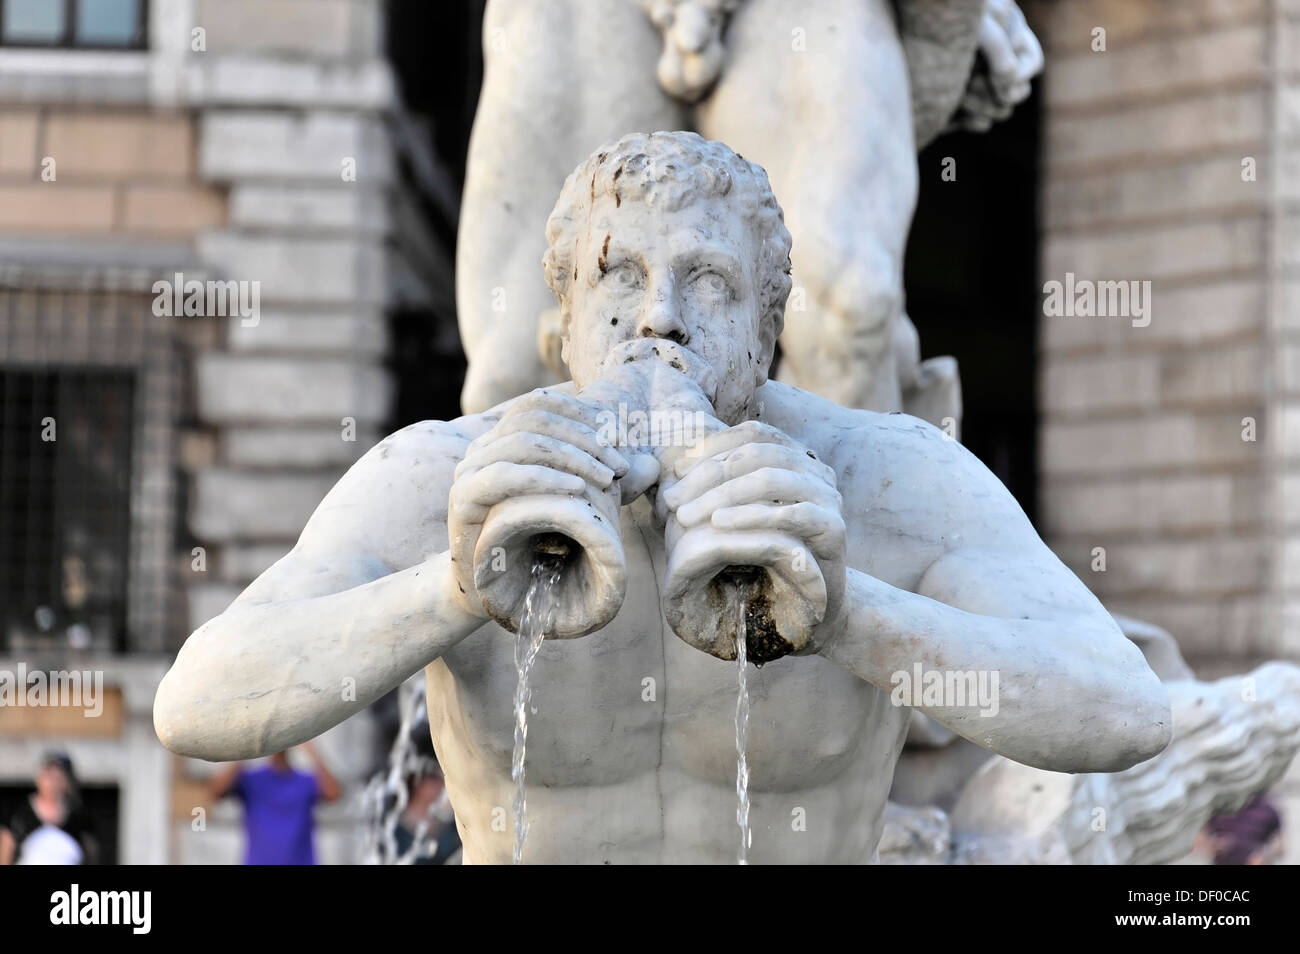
(1070, 693)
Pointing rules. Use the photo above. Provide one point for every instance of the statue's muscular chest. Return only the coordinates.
(632, 698)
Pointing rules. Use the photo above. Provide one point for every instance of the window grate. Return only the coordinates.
(87, 520)
(65, 501)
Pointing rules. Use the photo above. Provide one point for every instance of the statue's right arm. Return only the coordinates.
(365, 600)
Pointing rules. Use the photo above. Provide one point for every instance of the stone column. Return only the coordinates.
(301, 122)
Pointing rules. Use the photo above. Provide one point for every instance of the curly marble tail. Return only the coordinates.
(1232, 739)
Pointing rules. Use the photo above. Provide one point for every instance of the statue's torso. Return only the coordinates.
(631, 743)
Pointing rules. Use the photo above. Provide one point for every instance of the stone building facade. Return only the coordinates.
(1170, 449)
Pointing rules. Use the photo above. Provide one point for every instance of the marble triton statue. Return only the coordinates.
(880, 546)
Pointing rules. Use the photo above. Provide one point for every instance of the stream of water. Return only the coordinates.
(538, 617)
(742, 732)
(387, 794)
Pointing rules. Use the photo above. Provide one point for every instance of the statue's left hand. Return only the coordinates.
(1012, 50)
(1013, 57)
(753, 477)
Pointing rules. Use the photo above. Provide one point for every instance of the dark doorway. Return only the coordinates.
(440, 94)
(972, 286)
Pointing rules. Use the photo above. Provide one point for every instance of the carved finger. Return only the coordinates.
(767, 485)
(744, 460)
(561, 428)
(502, 480)
(751, 457)
(565, 405)
(750, 432)
(822, 528)
(702, 478)
(528, 448)
(640, 477)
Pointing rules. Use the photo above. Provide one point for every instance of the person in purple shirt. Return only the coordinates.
(279, 803)
(1250, 836)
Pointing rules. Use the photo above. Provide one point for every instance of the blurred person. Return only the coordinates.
(51, 827)
(279, 803)
(1251, 836)
(428, 806)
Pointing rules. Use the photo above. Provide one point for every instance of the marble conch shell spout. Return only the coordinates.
(579, 536)
(781, 586)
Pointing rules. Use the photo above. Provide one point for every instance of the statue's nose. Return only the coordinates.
(663, 319)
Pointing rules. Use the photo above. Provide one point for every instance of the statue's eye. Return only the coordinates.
(711, 283)
(626, 275)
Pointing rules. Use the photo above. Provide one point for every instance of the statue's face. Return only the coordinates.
(690, 276)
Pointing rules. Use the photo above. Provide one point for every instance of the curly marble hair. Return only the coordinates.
(670, 170)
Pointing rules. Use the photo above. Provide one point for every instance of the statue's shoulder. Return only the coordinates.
(881, 458)
(423, 446)
(392, 503)
(837, 433)
(422, 455)
(405, 467)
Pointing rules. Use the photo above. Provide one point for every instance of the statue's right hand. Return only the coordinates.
(547, 443)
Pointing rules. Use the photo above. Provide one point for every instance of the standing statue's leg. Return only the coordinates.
(817, 94)
(560, 78)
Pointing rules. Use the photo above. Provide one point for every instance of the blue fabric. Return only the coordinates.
(278, 825)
